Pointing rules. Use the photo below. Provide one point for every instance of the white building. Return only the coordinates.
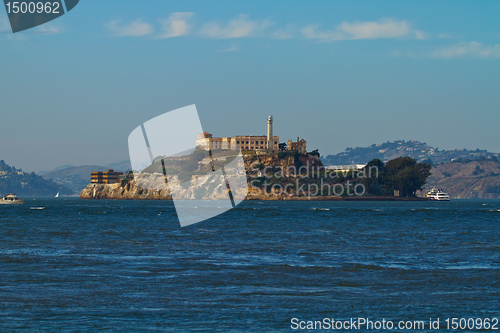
(268, 143)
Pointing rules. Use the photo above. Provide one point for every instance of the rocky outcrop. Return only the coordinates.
(129, 191)
(290, 163)
(152, 186)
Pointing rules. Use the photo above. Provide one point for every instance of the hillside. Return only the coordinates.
(44, 172)
(471, 179)
(75, 177)
(16, 181)
(393, 149)
(150, 185)
(279, 176)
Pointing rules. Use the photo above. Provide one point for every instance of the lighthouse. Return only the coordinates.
(270, 133)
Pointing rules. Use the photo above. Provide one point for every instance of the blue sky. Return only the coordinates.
(337, 73)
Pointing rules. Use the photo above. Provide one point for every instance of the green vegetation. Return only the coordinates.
(415, 149)
(16, 181)
(403, 174)
(477, 171)
(198, 155)
(493, 189)
(184, 167)
(315, 152)
(129, 176)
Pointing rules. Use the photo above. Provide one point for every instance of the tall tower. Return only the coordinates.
(270, 133)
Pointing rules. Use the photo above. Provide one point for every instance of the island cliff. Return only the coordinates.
(281, 176)
(153, 185)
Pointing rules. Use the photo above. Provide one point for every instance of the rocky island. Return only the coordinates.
(278, 176)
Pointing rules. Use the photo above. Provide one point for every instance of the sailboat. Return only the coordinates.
(57, 195)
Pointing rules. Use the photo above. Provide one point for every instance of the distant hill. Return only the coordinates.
(16, 181)
(43, 172)
(394, 149)
(467, 179)
(120, 166)
(76, 177)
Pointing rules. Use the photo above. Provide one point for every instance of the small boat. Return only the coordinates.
(37, 208)
(438, 195)
(11, 199)
(57, 195)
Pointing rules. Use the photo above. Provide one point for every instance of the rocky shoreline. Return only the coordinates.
(275, 177)
(117, 192)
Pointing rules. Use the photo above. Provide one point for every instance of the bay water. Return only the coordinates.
(104, 265)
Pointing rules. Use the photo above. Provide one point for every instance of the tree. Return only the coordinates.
(403, 174)
(190, 166)
(374, 181)
(428, 161)
(376, 163)
(315, 152)
(406, 175)
(198, 155)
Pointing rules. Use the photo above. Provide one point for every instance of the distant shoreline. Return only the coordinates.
(264, 198)
(339, 198)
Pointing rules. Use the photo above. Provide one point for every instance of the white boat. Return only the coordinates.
(438, 195)
(11, 199)
(57, 195)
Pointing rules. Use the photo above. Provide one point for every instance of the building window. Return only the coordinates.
(247, 142)
(262, 142)
(237, 142)
(275, 143)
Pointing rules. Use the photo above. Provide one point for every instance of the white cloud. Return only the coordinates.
(47, 29)
(231, 49)
(468, 49)
(445, 36)
(41, 29)
(4, 24)
(236, 28)
(136, 28)
(420, 34)
(176, 25)
(16, 37)
(287, 33)
(384, 28)
(312, 32)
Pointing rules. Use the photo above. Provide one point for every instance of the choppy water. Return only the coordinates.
(128, 266)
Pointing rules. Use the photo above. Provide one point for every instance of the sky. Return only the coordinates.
(337, 73)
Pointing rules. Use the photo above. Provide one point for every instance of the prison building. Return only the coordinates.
(105, 177)
(299, 146)
(243, 142)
